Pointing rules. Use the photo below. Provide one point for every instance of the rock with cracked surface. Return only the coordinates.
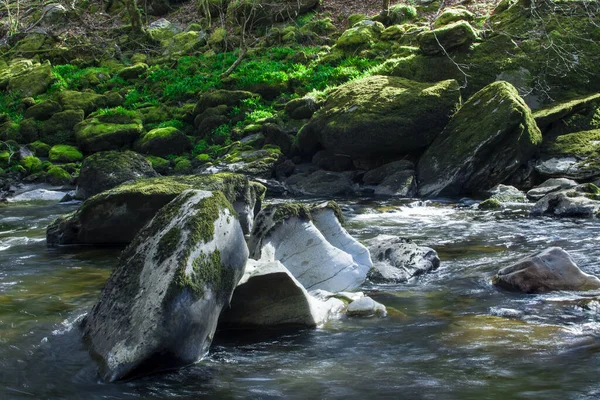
(159, 308)
(312, 244)
(549, 186)
(581, 201)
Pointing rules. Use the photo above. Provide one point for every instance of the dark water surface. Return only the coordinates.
(450, 334)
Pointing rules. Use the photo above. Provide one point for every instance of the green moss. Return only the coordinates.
(489, 204)
(86, 101)
(133, 72)
(65, 153)
(447, 37)
(288, 210)
(557, 111)
(335, 207)
(167, 244)
(92, 135)
(451, 15)
(159, 164)
(579, 144)
(31, 164)
(58, 176)
(183, 166)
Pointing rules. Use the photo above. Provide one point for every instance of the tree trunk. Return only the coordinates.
(135, 15)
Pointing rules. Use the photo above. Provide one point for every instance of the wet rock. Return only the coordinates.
(159, 308)
(321, 183)
(396, 260)
(484, 144)
(117, 215)
(38, 195)
(489, 204)
(507, 194)
(106, 170)
(269, 296)
(580, 201)
(312, 244)
(574, 156)
(366, 307)
(552, 269)
(380, 115)
(549, 186)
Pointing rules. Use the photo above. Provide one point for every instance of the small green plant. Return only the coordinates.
(172, 123)
(116, 112)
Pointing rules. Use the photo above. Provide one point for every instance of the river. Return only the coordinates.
(449, 334)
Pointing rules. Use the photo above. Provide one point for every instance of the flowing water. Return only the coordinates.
(449, 334)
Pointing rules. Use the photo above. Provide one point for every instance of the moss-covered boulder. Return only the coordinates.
(58, 176)
(451, 15)
(363, 35)
(116, 215)
(446, 38)
(28, 131)
(108, 169)
(164, 141)
(301, 108)
(184, 42)
(32, 164)
(265, 12)
(160, 306)
(556, 112)
(33, 81)
(64, 153)
(221, 97)
(159, 164)
(94, 135)
(484, 143)
(381, 115)
(134, 72)
(581, 201)
(40, 149)
(86, 101)
(43, 110)
(59, 128)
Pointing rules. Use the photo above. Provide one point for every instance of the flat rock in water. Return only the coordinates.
(159, 308)
(269, 296)
(552, 269)
(366, 307)
(38, 195)
(581, 201)
(312, 244)
(549, 186)
(396, 260)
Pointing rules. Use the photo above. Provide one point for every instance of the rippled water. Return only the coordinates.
(450, 334)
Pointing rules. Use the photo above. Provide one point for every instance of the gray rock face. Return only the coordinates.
(117, 215)
(159, 308)
(269, 296)
(321, 183)
(106, 170)
(580, 201)
(311, 243)
(483, 145)
(394, 179)
(396, 260)
(552, 269)
(507, 194)
(549, 186)
(567, 167)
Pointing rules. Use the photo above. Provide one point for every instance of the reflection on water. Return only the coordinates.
(449, 335)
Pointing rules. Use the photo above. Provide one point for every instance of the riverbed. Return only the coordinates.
(449, 334)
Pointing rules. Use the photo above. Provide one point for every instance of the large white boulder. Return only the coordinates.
(269, 296)
(159, 308)
(312, 244)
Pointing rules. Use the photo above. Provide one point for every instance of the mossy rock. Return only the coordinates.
(116, 215)
(184, 43)
(447, 38)
(64, 153)
(363, 35)
(108, 169)
(487, 140)
(159, 164)
(135, 71)
(28, 130)
(5, 159)
(451, 15)
(221, 97)
(32, 164)
(10, 131)
(59, 128)
(164, 141)
(43, 110)
(381, 115)
(557, 111)
(182, 166)
(489, 204)
(398, 14)
(86, 101)
(265, 12)
(93, 135)
(58, 176)
(581, 145)
(33, 82)
(40, 149)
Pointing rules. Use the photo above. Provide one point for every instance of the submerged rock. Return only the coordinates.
(396, 260)
(159, 308)
(484, 143)
(552, 269)
(116, 215)
(579, 201)
(312, 244)
(268, 295)
(106, 170)
(380, 115)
